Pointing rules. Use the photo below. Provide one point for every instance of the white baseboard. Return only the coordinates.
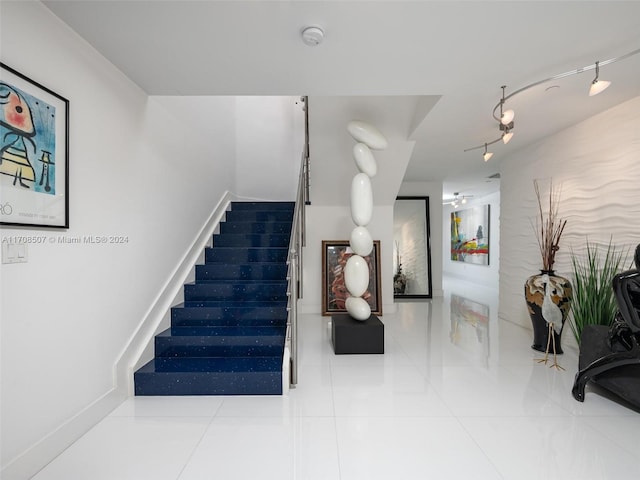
(48, 448)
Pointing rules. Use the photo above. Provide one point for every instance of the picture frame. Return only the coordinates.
(412, 248)
(34, 153)
(334, 293)
(470, 235)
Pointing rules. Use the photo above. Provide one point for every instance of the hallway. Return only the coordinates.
(457, 395)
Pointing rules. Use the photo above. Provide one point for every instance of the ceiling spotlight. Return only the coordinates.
(508, 132)
(464, 200)
(598, 86)
(312, 36)
(506, 117)
(487, 155)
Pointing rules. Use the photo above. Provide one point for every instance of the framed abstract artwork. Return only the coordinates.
(34, 153)
(470, 235)
(335, 254)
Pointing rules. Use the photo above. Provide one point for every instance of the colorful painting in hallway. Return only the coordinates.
(470, 235)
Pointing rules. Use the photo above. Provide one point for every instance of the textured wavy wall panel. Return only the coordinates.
(597, 165)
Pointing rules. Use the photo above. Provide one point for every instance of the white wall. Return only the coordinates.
(487, 275)
(597, 164)
(269, 141)
(147, 168)
(433, 190)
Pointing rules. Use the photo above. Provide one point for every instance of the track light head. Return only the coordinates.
(507, 117)
(508, 132)
(487, 155)
(598, 86)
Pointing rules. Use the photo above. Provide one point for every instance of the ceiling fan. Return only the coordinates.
(457, 200)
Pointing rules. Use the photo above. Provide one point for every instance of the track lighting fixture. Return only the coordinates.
(505, 118)
(457, 200)
(487, 155)
(598, 86)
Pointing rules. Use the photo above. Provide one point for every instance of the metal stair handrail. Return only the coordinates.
(294, 257)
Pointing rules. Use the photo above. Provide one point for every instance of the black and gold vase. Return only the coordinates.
(554, 293)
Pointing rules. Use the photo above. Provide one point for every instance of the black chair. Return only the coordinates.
(610, 356)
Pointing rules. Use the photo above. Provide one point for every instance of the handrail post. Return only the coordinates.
(294, 315)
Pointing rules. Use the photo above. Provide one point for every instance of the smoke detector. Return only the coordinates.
(312, 36)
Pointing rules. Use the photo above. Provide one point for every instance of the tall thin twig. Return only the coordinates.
(549, 226)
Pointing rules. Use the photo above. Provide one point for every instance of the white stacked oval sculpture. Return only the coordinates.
(356, 271)
(356, 275)
(361, 242)
(367, 134)
(361, 200)
(365, 161)
(358, 308)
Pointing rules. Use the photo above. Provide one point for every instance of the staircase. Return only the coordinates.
(227, 338)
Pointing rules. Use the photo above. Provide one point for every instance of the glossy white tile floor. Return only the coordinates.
(457, 395)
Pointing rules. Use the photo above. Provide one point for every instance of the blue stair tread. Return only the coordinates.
(212, 303)
(214, 364)
(251, 240)
(256, 228)
(269, 206)
(259, 215)
(241, 271)
(244, 304)
(217, 342)
(218, 254)
(224, 331)
(229, 314)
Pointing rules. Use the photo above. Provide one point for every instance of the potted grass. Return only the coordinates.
(593, 299)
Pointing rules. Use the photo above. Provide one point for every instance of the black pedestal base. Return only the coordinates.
(349, 336)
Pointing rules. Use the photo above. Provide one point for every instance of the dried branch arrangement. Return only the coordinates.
(549, 226)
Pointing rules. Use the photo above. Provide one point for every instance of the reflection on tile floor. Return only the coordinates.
(457, 395)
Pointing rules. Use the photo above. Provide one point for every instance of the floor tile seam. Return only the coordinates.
(484, 453)
(433, 388)
(272, 416)
(195, 448)
(333, 409)
(398, 417)
(612, 439)
(145, 416)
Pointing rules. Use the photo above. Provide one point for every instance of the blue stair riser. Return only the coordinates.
(230, 315)
(282, 228)
(267, 206)
(230, 342)
(259, 216)
(218, 364)
(214, 332)
(245, 254)
(253, 271)
(235, 292)
(208, 383)
(250, 240)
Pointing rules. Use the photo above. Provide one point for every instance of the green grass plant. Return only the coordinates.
(593, 299)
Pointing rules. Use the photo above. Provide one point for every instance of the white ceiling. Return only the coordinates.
(461, 52)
